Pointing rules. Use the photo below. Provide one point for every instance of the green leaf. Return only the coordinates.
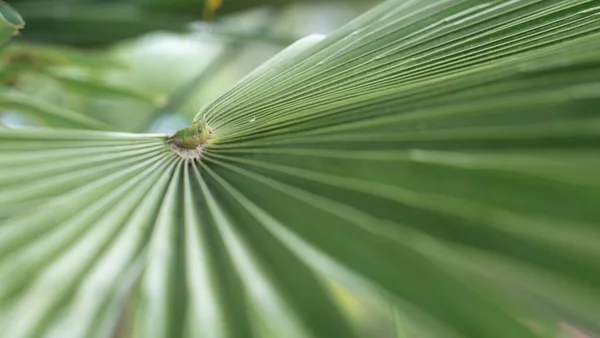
(88, 85)
(32, 56)
(48, 113)
(10, 22)
(443, 152)
(100, 22)
(92, 23)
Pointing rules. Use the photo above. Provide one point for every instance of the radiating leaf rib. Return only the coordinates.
(206, 315)
(15, 198)
(41, 188)
(120, 300)
(276, 63)
(28, 258)
(304, 293)
(293, 205)
(160, 314)
(9, 177)
(16, 231)
(76, 262)
(71, 156)
(383, 177)
(554, 165)
(125, 252)
(412, 124)
(227, 282)
(486, 224)
(308, 254)
(331, 94)
(232, 315)
(269, 313)
(32, 135)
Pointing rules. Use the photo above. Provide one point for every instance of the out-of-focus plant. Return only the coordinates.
(10, 22)
(85, 22)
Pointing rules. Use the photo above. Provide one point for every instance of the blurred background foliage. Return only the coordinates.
(147, 65)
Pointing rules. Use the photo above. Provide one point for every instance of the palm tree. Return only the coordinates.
(439, 155)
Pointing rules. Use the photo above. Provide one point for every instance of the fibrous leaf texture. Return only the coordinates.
(444, 153)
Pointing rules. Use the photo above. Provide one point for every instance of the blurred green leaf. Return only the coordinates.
(400, 325)
(35, 56)
(205, 77)
(230, 32)
(92, 23)
(444, 152)
(129, 77)
(10, 22)
(89, 85)
(50, 114)
(101, 22)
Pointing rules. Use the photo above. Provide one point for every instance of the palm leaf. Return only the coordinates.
(443, 152)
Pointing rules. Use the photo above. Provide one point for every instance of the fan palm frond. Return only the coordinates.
(441, 152)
